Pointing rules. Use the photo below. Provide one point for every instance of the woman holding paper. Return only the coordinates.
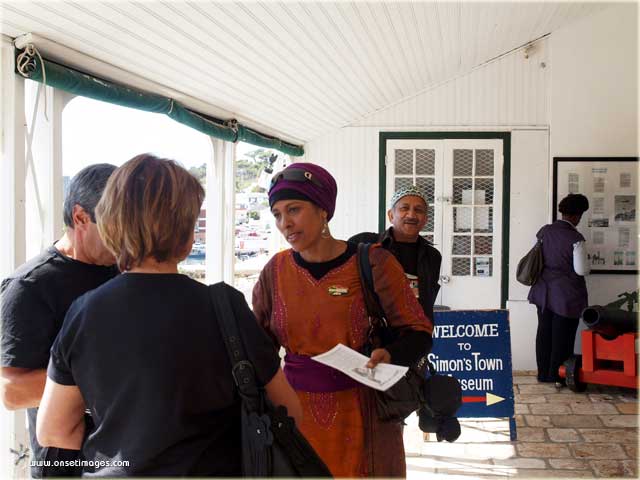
(309, 299)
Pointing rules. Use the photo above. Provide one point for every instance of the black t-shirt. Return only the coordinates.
(35, 299)
(407, 255)
(146, 352)
(319, 270)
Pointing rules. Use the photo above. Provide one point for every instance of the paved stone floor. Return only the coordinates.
(561, 434)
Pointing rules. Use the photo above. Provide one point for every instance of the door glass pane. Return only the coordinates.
(461, 245)
(462, 162)
(425, 162)
(404, 162)
(461, 219)
(462, 189)
(483, 191)
(484, 163)
(428, 227)
(483, 266)
(400, 182)
(482, 245)
(460, 266)
(428, 187)
(483, 220)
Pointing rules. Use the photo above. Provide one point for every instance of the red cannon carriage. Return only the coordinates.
(609, 350)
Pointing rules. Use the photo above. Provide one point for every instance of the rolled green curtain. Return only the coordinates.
(78, 83)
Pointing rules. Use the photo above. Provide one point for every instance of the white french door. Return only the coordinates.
(463, 182)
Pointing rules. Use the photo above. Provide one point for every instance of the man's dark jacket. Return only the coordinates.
(429, 260)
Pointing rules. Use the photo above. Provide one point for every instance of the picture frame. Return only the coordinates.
(610, 226)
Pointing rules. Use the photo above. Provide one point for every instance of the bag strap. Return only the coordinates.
(241, 368)
(371, 299)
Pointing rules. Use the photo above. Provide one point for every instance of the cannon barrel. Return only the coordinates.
(609, 322)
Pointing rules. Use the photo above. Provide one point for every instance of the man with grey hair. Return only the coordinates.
(35, 299)
(419, 259)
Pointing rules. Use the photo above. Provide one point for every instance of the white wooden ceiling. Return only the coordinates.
(300, 68)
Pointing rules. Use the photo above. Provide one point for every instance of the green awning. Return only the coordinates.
(29, 64)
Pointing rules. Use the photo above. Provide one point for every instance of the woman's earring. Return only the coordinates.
(325, 230)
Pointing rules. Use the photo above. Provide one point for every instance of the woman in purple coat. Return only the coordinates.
(560, 293)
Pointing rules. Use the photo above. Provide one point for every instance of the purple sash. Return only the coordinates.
(307, 375)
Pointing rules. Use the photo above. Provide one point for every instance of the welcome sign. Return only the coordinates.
(475, 347)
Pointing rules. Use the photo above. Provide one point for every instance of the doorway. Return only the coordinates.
(464, 180)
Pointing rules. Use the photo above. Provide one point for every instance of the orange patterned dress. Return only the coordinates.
(307, 317)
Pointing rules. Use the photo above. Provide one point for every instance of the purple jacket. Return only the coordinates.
(559, 288)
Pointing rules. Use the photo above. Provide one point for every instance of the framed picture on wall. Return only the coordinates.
(610, 226)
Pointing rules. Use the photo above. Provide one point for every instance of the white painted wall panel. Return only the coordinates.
(510, 90)
(594, 104)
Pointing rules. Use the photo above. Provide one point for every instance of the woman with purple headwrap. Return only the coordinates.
(309, 299)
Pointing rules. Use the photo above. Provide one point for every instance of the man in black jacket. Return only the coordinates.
(419, 259)
(421, 263)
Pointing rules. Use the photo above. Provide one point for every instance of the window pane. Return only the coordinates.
(462, 163)
(425, 162)
(404, 162)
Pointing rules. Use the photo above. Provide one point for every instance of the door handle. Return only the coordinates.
(445, 278)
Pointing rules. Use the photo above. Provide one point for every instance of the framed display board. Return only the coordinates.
(609, 226)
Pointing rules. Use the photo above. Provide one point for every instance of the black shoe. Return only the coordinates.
(560, 384)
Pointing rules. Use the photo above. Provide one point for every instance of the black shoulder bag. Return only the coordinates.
(531, 265)
(437, 397)
(272, 445)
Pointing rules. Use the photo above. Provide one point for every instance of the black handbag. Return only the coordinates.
(422, 388)
(272, 445)
(530, 266)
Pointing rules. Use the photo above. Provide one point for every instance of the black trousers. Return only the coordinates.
(554, 343)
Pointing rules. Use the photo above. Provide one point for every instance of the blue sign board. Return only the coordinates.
(475, 347)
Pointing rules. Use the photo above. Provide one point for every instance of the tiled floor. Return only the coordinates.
(561, 434)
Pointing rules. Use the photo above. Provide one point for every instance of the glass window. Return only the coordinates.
(99, 132)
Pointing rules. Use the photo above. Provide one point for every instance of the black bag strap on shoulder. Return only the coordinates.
(371, 299)
(241, 368)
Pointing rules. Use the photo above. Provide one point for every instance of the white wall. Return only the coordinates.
(583, 102)
(594, 102)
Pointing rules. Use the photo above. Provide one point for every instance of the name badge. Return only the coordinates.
(337, 290)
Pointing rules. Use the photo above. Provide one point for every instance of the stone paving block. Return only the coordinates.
(521, 463)
(609, 435)
(598, 451)
(563, 435)
(630, 468)
(524, 379)
(590, 408)
(489, 451)
(538, 420)
(542, 450)
(576, 421)
(602, 397)
(549, 409)
(553, 474)
(608, 468)
(568, 463)
(628, 396)
(521, 409)
(531, 434)
(529, 398)
(628, 408)
(520, 421)
(537, 388)
(632, 450)
(561, 398)
(619, 420)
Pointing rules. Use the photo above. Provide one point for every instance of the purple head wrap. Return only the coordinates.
(321, 189)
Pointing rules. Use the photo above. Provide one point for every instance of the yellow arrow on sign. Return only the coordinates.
(491, 399)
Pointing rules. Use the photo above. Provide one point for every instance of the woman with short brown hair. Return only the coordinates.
(143, 353)
(134, 212)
